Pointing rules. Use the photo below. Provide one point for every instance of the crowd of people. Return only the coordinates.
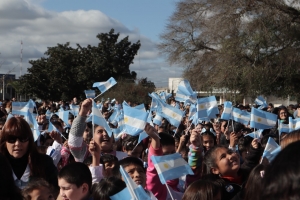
(80, 161)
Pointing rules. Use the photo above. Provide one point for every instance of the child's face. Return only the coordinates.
(208, 142)
(102, 139)
(42, 193)
(70, 191)
(227, 162)
(137, 173)
(168, 149)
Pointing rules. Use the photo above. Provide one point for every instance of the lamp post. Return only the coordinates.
(3, 91)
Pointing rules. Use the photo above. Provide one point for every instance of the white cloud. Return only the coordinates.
(39, 28)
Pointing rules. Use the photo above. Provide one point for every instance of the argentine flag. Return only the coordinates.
(104, 86)
(185, 93)
(63, 115)
(283, 128)
(207, 107)
(98, 119)
(262, 120)
(170, 113)
(271, 149)
(74, 109)
(135, 120)
(123, 194)
(256, 134)
(241, 116)
(157, 119)
(89, 93)
(33, 124)
(227, 111)
(261, 101)
(170, 167)
(136, 191)
(294, 124)
(21, 108)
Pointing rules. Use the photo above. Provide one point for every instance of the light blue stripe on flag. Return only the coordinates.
(135, 120)
(21, 108)
(241, 116)
(124, 194)
(207, 107)
(261, 101)
(63, 115)
(227, 111)
(74, 110)
(170, 167)
(262, 120)
(33, 125)
(193, 110)
(89, 93)
(140, 107)
(104, 86)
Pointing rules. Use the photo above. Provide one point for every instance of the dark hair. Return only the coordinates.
(281, 179)
(166, 139)
(88, 161)
(202, 189)
(107, 187)
(76, 173)
(37, 184)
(209, 160)
(129, 142)
(108, 158)
(18, 126)
(244, 144)
(254, 182)
(289, 138)
(125, 162)
(8, 189)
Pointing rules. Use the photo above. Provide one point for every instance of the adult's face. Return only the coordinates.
(17, 146)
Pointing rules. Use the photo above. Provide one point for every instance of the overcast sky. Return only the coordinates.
(44, 23)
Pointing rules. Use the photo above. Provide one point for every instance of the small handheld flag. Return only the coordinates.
(262, 120)
(170, 167)
(104, 86)
(89, 93)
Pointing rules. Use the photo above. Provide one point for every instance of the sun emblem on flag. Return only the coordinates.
(240, 115)
(31, 125)
(126, 119)
(259, 119)
(201, 106)
(294, 126)
(166, 166)
(173, 115)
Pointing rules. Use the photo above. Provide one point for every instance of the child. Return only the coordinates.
(208, 140)
(163, 144)
(204, 190)
(39, 189)
(75, 181)
(224, 164)
(107, 187)
(135, 169)
(110, 165)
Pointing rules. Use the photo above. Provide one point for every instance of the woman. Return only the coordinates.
(17, 145)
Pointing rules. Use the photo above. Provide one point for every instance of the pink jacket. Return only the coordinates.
(153, 183)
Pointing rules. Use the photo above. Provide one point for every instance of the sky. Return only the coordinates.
(45, 23)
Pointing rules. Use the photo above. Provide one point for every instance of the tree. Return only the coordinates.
(130, 91)
(247, 45)
(65, 72)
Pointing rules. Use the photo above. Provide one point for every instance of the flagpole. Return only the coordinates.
(169, 191)
(98, 96)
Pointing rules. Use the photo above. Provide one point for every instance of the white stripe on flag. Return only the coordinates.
(134, 122)
(171, 113)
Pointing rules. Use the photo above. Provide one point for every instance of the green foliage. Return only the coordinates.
(65, 72)
(249, 46)
(130, 91)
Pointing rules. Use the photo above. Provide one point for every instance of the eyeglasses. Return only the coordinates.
(12, 139)
(282, 113)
